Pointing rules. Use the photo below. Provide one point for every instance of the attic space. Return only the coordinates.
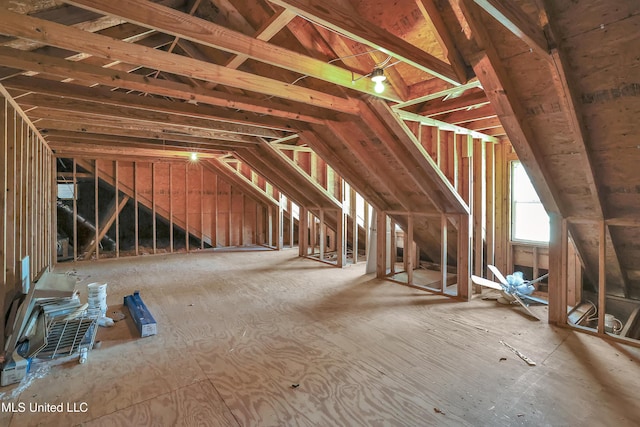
(294, 212)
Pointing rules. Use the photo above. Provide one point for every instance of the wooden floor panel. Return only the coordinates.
(197, 404)
(237, 330)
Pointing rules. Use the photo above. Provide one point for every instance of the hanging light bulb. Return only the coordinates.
(377, 76)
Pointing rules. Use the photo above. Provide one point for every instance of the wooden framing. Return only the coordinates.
(171, 207)
(173, 22)
(444, 232)
(153, 207)
(73, 39)
(352, 26)
(381, 245)
(183, 206)
(221, 87)
(186, 207)
(515, 20)
(96, 210)
(114, 211)
(29, 186)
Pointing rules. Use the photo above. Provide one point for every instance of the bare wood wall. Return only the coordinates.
(475, 169)
(26, 200)
(186, 196)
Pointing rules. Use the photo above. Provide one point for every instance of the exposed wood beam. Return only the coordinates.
(402, 153)
(99, 151)
(462, 116)
(232, 175)
(280, 177)
(413, 117)
(449, 200)
(93, 26)
(197, 30)
(191, 10)
(110, 97)
(484, 124)
(348, 23)
(138, 125)
(381, 178)
(79, 71)
(50, 134)
(430, 11)
(500, 91)
(69, 38)
(318, 39)
(270, 28)
(427, 87)
(518, 22)
(217, 129)
(293, 147)
(362, 180)
(61, 129)
(468, 100)
(112, 212)
(93, 140)
(495, 132)
(440, 94)
(570, 95)
(296, 175)
(302, 173)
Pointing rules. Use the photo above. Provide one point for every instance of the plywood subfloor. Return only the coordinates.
(237, 330)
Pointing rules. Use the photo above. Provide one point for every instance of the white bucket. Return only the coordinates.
(97, 288)
(97, 298)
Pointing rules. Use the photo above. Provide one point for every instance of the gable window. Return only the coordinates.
(65, 191)
(529, 219)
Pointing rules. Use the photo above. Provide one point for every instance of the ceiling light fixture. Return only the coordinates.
(194, 157)
(377, 76)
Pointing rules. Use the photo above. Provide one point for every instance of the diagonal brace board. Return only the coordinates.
(104, 228)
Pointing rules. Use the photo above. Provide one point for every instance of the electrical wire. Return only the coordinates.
(383, 63)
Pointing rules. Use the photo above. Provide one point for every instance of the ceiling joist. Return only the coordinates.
(79, 71)
(80, 41)
(351, 25)
(197, 30)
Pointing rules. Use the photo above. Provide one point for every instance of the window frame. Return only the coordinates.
(512, 210)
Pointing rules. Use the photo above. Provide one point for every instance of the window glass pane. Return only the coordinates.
(529, 218)
(65, 191)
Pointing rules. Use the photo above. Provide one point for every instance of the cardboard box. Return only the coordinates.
(14, 371)
(141, 316)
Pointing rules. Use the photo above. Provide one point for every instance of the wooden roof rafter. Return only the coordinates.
(273, 148)
(569, 91)
(80, 129)
(70, 137)
(349, 24)
(490, 70)
(92, 151)
(232, 175)
(217, 128)
(46, 64)
(105, 96)
(279, 174)
(99, 144)
(322, 141)
(196, 30)
(515, 20)
(72, 39)
(430, 10)
(125, 122)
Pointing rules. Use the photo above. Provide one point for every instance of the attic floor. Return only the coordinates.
(237, 330)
